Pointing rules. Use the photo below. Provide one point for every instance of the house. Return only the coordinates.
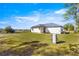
(47, 28)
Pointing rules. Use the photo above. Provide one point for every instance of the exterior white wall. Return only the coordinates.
(56, 30)
(35, 30)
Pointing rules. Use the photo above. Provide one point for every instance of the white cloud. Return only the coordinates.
(23, 19)
(34, 17)
(61, 11)
(38, 17)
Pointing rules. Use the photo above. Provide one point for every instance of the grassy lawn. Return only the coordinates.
(28, 43)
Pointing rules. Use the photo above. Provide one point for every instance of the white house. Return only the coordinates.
(47, 28)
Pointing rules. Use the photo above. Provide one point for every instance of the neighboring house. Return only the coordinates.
(47, 28)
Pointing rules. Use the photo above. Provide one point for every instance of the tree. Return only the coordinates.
(8, 29)
(71, 13)
(68, 27)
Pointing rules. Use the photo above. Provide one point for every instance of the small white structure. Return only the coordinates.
(47, 28)
(54, 38)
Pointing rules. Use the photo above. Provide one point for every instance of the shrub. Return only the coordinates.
(68, 27)
(8, 29)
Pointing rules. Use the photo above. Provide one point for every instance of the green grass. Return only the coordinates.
(72, 38)
(28, 43)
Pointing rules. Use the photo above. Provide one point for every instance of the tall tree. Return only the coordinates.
(71, 13)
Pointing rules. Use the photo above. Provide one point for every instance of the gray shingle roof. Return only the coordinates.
(47, 25)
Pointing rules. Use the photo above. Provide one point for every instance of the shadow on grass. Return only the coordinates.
(60, 42)
(24, 43)
(24, 51)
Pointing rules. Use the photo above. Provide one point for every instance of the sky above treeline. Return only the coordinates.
(25, 15)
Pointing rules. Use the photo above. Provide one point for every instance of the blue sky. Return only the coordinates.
(25, 15)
